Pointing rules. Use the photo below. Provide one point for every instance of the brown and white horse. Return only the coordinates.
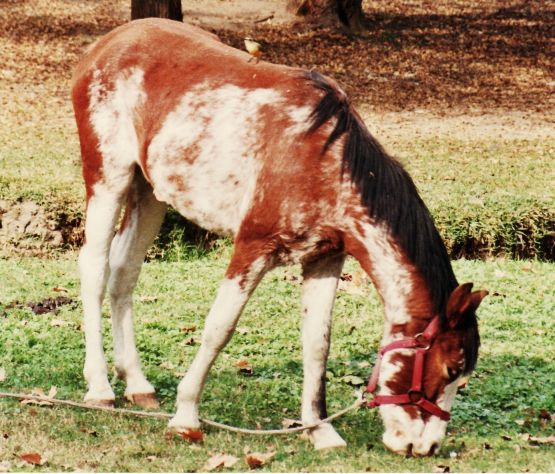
(278, 158)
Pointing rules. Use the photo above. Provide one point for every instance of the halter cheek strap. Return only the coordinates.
(415, 396)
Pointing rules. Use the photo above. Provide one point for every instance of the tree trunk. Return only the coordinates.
(348, 12)
(158, 8)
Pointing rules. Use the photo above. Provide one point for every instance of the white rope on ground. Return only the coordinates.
(145, 414)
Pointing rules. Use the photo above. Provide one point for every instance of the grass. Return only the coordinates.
(488, 198)
(509, 396)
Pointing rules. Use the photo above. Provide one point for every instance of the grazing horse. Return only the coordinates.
(278, 158)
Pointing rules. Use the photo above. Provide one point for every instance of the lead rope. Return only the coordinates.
(357, 404)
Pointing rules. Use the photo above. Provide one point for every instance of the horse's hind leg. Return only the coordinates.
(245, 270)
(103, 209)
(318, 294)
(141, 222)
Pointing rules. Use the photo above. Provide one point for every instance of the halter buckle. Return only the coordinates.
(422, 342)
(415, 396)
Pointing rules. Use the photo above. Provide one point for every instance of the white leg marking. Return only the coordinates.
(126, 258)
(318, 295)
(219, 326)
(102, 213)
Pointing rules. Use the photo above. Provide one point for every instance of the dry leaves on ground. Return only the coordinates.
(49, 305)
(33, 458)
(244, 366)
(219, 460)
(256, 460)
(193, 436)
(538, 440)
(39, 392)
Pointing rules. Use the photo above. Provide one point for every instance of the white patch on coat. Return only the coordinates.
(300, 120)
(389, 273)
(112, 112)
(400, 429)
(435, 428)
(211, 143)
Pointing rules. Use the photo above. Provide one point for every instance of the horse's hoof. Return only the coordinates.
(100, 403)
(147, 401)
(325, 437)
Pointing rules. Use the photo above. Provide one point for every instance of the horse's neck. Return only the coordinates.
(405, 297)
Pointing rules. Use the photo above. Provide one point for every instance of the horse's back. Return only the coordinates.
(208, 128)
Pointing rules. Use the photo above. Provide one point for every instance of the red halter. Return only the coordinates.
(415, 396)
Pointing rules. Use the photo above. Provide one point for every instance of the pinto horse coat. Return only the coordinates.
(277, 158)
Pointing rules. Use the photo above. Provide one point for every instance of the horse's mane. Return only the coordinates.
(391, 197)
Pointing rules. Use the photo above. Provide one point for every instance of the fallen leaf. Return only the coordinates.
(520, 422)
(2, 374)
(442, 468)
(58, 323)
(194, 436)
(38, 392)
(60, 289)
(256, 460)
(188, 329)
(192, 341)
(32, 458)
(289, 423)
(537, 440)
(353, 380)
(148, 299)
(244, 366)
(219, 460)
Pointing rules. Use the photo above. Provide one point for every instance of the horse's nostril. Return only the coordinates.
(433, 449)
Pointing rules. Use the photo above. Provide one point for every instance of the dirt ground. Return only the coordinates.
(445, 67)
(505, 109)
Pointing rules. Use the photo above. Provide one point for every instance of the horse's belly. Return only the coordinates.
(214, 195)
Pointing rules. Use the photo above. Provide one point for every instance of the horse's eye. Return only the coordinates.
(452, 373)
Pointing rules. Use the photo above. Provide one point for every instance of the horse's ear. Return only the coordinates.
(462, 300)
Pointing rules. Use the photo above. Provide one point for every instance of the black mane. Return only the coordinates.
(391, 197)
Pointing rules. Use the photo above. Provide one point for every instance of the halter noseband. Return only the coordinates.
(415, 396)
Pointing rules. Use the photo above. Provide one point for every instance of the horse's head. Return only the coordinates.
(419, 375)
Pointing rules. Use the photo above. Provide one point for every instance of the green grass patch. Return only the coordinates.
(509, 395)
(488, 197)
(491, 197)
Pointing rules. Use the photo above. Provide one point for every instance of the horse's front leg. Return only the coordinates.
(242, 276)
(318, 294)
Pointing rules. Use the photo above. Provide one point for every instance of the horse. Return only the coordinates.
(278, 158)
